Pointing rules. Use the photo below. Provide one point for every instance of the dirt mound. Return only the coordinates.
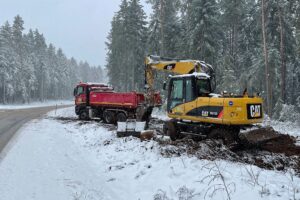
(270, 140)
(205, 149)
(66, 120)
(263, 147)
(214, 149)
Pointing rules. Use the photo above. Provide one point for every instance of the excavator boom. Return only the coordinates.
(171, 65)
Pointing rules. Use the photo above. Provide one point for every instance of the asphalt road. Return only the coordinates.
(12, 120)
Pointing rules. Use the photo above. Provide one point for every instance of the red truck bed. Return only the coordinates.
(111, 99)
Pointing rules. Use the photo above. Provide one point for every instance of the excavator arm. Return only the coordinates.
(172, 65)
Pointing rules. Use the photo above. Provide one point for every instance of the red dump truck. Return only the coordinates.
(101, 101)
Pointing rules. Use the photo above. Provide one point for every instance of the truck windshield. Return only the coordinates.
(203, 87)
(80, 90)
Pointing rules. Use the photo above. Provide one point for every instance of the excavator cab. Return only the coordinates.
(185, 89)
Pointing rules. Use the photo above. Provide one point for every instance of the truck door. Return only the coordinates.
(80, 97)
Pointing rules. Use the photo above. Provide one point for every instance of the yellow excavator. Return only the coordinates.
(192, 105)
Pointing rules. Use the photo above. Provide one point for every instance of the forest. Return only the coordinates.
(32, 70)
(251, 44)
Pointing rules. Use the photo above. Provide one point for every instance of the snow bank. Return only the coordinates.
(37, 104)
(54, 159)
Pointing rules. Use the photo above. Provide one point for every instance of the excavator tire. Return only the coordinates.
(228, 136)
(171, 130)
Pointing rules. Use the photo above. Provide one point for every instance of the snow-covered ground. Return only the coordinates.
(160, 114)
(37, 104)
(53, 159)
(286, 127)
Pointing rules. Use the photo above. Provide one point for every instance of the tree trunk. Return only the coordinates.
(162, 15)
(267, 70)
(282, 55)
(3, 89)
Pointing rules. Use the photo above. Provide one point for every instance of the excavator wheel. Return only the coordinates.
(171, 130)
(109, 117)
(121, 117)
(228, 136)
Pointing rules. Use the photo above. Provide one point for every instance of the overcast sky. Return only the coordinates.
(79, 27)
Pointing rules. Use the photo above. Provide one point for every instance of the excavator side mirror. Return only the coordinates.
(165, 85)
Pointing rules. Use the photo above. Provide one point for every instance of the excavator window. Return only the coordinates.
(177, 89)
(203, 87)
(189, 90)
(176, 93)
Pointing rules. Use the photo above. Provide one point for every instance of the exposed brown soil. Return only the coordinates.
(66, 120)
(270, 140)
(273, 151)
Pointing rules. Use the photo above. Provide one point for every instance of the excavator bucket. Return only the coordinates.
(130, 128)
(270, 140)
(260, 136)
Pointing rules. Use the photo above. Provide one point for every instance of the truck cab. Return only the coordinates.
(82, 90)
(82, 94)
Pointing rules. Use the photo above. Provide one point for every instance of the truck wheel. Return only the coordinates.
(83, 115)
(109, 117)
(171, 130)
(121, 117)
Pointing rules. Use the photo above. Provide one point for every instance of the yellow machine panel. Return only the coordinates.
(227, 111)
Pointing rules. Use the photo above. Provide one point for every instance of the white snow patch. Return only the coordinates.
(36, 104)
(197, 74)
(286, 127)
(290, 128)
(160, 114)
(57, 160)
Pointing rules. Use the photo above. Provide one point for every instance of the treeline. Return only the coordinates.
(32, 70)
(251, 44)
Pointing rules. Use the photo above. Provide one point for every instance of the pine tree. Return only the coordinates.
(126, 46)
(203, 30)
(31, 70)
(137, 41)
(5, 59)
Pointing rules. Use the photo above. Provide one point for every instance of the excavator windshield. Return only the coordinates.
(186, 89)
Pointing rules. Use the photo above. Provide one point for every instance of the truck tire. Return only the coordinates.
(109, 117)
(171, 130)
(83, 115)
(121, 117)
